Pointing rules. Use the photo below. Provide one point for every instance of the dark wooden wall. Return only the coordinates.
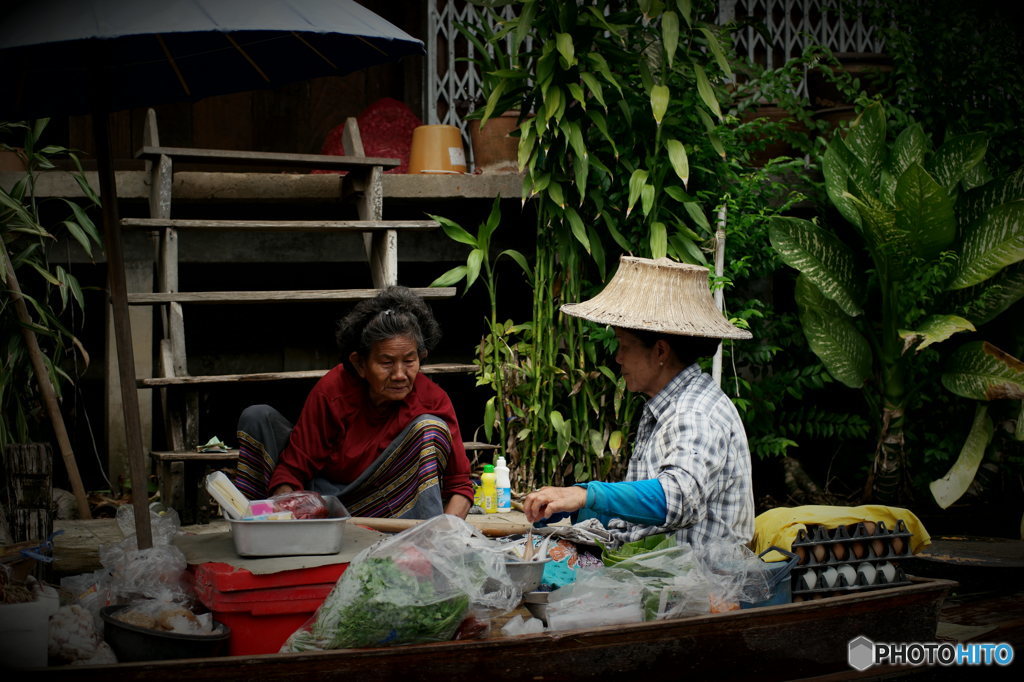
(294, 118)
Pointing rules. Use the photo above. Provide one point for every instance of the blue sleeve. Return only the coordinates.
(634, 501)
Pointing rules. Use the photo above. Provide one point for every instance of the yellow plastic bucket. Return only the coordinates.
(437, 149)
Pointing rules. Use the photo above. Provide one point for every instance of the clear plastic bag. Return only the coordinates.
(416, 586)
(303, 504)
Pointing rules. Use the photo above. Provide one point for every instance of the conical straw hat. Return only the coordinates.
(659, 296)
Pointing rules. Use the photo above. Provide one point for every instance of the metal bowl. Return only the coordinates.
(526, 574)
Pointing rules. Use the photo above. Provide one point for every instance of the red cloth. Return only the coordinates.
(340, 432)
(385, 128)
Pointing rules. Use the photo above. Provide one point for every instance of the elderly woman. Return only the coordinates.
(689, 473)
(374, 431)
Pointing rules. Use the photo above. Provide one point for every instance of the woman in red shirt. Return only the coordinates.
(374, 431)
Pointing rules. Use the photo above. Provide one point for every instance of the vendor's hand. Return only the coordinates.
(457, 505)
(543, 503)
(282, 489)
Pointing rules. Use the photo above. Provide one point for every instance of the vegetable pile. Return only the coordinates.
(378, 602)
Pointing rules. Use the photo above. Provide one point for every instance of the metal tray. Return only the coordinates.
(298, 537)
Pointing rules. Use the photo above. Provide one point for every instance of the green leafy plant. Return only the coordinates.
(51, 292)
(622, 127)
(930, 251)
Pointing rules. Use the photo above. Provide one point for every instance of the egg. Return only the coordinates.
(898, 545)
(809, 580)
(866, 571)
(847, 575)
(820, 553)
(801, 555)
(829, 577)
(887, 572)
(839, 551)
(878, 547)
(869, 527)
(857, 549)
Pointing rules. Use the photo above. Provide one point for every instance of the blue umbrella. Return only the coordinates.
(62, 57)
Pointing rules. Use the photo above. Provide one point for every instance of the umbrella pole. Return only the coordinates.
(122, 329)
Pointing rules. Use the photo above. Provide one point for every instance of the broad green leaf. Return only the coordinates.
(492, 101)
(975, 204)
(934, 329)
(980, 371)
(524, 25)
(956, 156)
(709, 125)
(636, 183)
(647, 199)
(670, 34)
(890, 247)
(455, 231)
(821, 258)
(984, 302)
(704, 89)
(716, 50)
(659, 240)
(552, 101)
(596, 441)
(489, 226)
(565, 48)
(79, 234)
(866, 139)
(84, 221)
(697, 214)
(581, 168)
(555, 193)
(576, 90)
(521, 260)
(954, 484)
(453, 276)
(600, 65)
(594, 86)
(602, 126)
(615, 441)
(838, 164)
(473, 262)
(909, 148)
(46, 274)
(659, 102)
(976, 176)
(996, 242)
(489, 418)
(686, 9)
(578, 229)
(597, 251)
(677, 157)
(924, 212)
(576, 140)
(832, 336)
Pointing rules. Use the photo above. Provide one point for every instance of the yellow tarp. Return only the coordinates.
(779, 526)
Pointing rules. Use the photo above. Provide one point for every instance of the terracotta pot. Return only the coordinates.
(777, 147)
(494, 150)
(871, 68)
(12, 160)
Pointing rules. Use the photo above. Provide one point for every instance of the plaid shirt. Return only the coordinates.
(692, 440)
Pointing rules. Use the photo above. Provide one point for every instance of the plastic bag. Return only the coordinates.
(166, 616)
(605, 596)
(163, 522)
(416, 586)
(74, 638)
(303, 504)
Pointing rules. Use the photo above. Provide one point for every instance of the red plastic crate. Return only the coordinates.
(263, 610)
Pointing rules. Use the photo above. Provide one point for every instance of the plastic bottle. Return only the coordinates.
(504, 486)
(490, 496)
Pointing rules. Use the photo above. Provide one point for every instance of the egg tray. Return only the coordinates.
(863, 541)
(842, 584)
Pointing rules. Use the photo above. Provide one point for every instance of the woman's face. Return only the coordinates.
(390, 368)
(640, 364)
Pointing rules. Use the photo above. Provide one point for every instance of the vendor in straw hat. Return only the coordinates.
(689, 473)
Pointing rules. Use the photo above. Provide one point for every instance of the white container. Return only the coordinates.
(504, 485)
(25, 631)
(298, 537)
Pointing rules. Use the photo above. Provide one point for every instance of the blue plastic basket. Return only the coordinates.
(778, 580)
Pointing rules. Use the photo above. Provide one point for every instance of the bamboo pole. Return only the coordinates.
(716, 362)
(46, 388)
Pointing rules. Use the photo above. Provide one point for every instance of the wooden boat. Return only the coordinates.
(788, 641)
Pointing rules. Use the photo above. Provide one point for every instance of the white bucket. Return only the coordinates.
(25, 630)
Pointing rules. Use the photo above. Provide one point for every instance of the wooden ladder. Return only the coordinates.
(180, 465)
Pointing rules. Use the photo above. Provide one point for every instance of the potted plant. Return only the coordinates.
(497, 116)
(38, 299)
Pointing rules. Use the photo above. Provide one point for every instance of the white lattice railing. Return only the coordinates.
(453, 86)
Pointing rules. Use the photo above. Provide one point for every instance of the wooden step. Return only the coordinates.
(232, 453)
(250, 158)
(309, 295)
(159, 382)
(278, 225)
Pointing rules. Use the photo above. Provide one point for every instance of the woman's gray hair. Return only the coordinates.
(395, 311)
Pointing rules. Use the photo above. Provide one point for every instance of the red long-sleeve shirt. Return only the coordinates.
(340, 432)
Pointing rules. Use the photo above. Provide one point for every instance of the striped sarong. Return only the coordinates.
(403, 482)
